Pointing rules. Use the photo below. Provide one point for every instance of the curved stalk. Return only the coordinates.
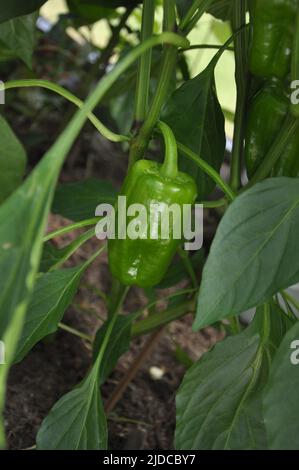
(29, 83)
(170, 165)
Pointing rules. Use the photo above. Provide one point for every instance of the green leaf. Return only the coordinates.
(221, 9)
(280, 325)
(195, 116)
(117, 3)
(53, 257)
(177, 271)
(218, 403)
(19, 36)
(78, 201)
(89, 11)
(77, 421)
(12, 160)
(281, 395)
(117, 346)
(53, 293)
(183, 6)
(25, 214)
(255, 252)
(14, 8)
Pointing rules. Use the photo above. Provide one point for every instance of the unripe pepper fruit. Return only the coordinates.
(267, 112)
(144, 261)
(272, 37)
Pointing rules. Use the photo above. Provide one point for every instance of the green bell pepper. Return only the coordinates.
(145, 260)
(267, 112)
(272, 38)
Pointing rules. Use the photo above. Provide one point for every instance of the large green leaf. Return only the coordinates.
(255, 252)
(195, 116)
(25, 214)
(19, 35)
(218, 403)
(53, 293)
(78, 201)
(12, 160)
(281, 395)
(77, 421)
(13, 8)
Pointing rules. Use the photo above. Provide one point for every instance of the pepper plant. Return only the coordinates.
(243, 393)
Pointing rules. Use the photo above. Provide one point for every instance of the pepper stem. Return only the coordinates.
(170, 164)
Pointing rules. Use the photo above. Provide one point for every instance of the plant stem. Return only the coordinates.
(75, 332)
(113, 316)
(214, 204)
(235, 325)
(156, 320)
(194, 13)
(70, 228)
(188, 266)
(143, 77)
(241, 74)
(70, 97)
(208, 169)
(170, 165)
(139, 143)
(205, 46)
(266, 323)
(132, 371)
(98, 69)
(196, 7)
